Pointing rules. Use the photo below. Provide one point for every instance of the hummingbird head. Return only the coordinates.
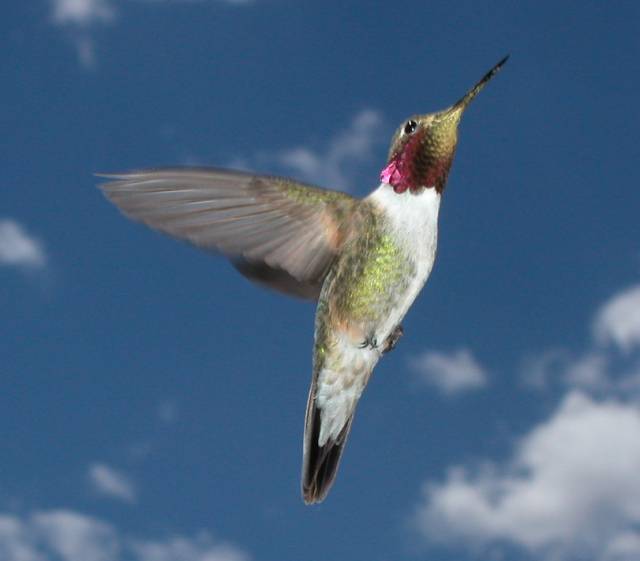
(423, 147)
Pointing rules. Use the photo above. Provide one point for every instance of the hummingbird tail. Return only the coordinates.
(320, 463)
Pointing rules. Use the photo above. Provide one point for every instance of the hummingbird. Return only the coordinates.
(363, 260)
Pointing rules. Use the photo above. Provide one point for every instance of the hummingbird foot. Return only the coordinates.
(370, 342)
(392, 340)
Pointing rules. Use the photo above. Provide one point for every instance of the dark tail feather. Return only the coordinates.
(320, 463)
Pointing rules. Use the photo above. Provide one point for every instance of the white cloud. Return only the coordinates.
(82, 13)
(65, 535)
(450, 373)
(540, 369)
(606, 367)
(73, 536)
(570, 488)
(18, 248)
(79, 18)
(334, 165)
(16, 543)
(625, 547)
(589, 372)
(596, 371)
(618, 321)
(112, 483)
(201, 548)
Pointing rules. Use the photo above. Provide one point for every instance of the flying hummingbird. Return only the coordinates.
(363, 260)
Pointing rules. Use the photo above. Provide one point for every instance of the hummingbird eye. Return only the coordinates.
(410, 127)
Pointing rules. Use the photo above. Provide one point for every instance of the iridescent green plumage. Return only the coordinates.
(364, 283)
(365, 260)
(370, 271)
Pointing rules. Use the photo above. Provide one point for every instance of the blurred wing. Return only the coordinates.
(276, 231)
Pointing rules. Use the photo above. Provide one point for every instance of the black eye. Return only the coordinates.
(410, 127)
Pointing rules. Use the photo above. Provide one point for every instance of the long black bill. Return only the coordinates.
(462, 103)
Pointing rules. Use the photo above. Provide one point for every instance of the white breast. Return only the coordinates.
(413, 220)
(414, 223)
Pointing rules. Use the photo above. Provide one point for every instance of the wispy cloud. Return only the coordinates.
(112, 483)
(332, 166)
(82, 13)
(18, 248)
(229, 2)
(200, 548)
(450, 373)
(70, 536)
(168, 411)
(540, 368)
(607, 365)
(65, 535)
(570, 488)
(618, 321)
(79, 19)
(548, 369)
(589, 372)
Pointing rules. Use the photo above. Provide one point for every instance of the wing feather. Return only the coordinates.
(258, 221)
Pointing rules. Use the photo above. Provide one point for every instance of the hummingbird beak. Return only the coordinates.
(425, 159)
(459, 106)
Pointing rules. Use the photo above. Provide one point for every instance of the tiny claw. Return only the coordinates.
(370, 342)
(393, 338)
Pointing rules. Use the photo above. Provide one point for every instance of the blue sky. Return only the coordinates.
(152, 399)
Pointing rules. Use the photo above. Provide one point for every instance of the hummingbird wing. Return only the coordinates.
(276, 231)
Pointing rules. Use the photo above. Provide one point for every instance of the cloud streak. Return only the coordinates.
(79, 19)
(18, 248)
(451, 373)
(200, 548)
(570, 487)
(82, 13)
(618, 321)
(65, 535)
(111, 483)
(333, 165)
(607, 366)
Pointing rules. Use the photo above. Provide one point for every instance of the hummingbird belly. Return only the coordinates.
(381, 271)
(364, 288)
(369, 281)
(365, 296)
